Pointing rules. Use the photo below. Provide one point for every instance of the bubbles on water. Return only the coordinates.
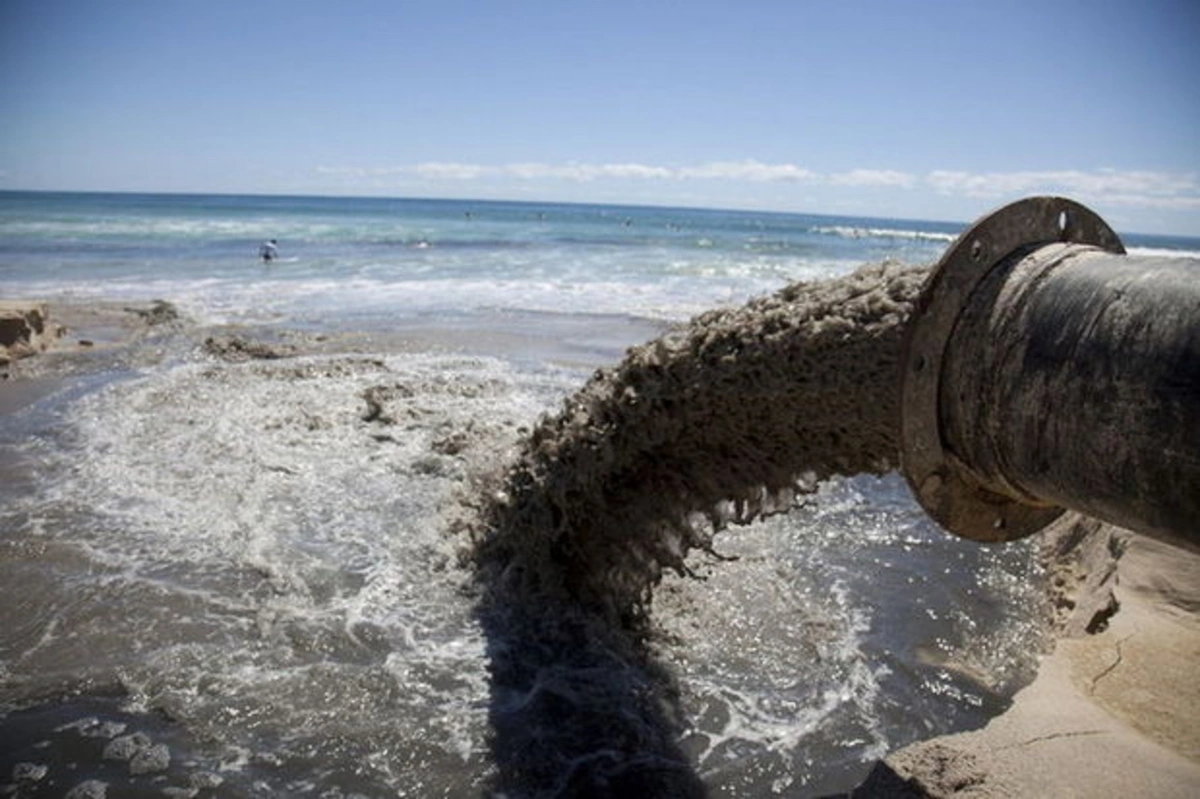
(250, 551)
(256, 552)
(822, 646)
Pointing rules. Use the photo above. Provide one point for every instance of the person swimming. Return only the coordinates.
(269, 251)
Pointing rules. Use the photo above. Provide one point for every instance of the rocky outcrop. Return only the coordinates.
(25, 330)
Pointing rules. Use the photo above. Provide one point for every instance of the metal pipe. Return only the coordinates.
(1046, 370)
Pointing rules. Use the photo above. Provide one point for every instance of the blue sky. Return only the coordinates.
(913, 109)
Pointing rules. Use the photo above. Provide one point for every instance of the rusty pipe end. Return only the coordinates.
(954, 494)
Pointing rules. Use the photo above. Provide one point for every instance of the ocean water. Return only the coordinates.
(232, 578)
(371, 258)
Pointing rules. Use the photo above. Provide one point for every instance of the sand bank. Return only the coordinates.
(30, 327)
(1114, 710)
(70, 338)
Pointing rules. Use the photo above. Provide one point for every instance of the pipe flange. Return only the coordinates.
(946, 488)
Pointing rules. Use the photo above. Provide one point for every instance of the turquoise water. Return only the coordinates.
(233, 562)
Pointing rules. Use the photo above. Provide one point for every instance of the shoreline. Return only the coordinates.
(75, 329)
(50, 341)
(1112, 712)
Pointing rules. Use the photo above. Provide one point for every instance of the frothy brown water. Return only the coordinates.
(722, 421)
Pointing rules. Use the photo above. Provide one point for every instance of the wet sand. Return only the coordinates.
(79, 337)
(1114, 712)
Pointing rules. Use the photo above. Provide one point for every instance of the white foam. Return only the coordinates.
(853, 232)
(249, 532)
(1164, 252)
(809, 676)
(167, 228)
(259, 557)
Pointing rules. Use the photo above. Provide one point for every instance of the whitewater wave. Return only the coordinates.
(1163, 252)
(851, 232)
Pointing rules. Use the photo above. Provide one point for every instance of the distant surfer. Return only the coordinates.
(269, 251)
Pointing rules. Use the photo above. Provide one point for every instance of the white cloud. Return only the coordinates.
(881, 178)
(1112, 186)
(747, 170)
(342, 171)
(583, 172)
(448, 170)
(640, 171)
